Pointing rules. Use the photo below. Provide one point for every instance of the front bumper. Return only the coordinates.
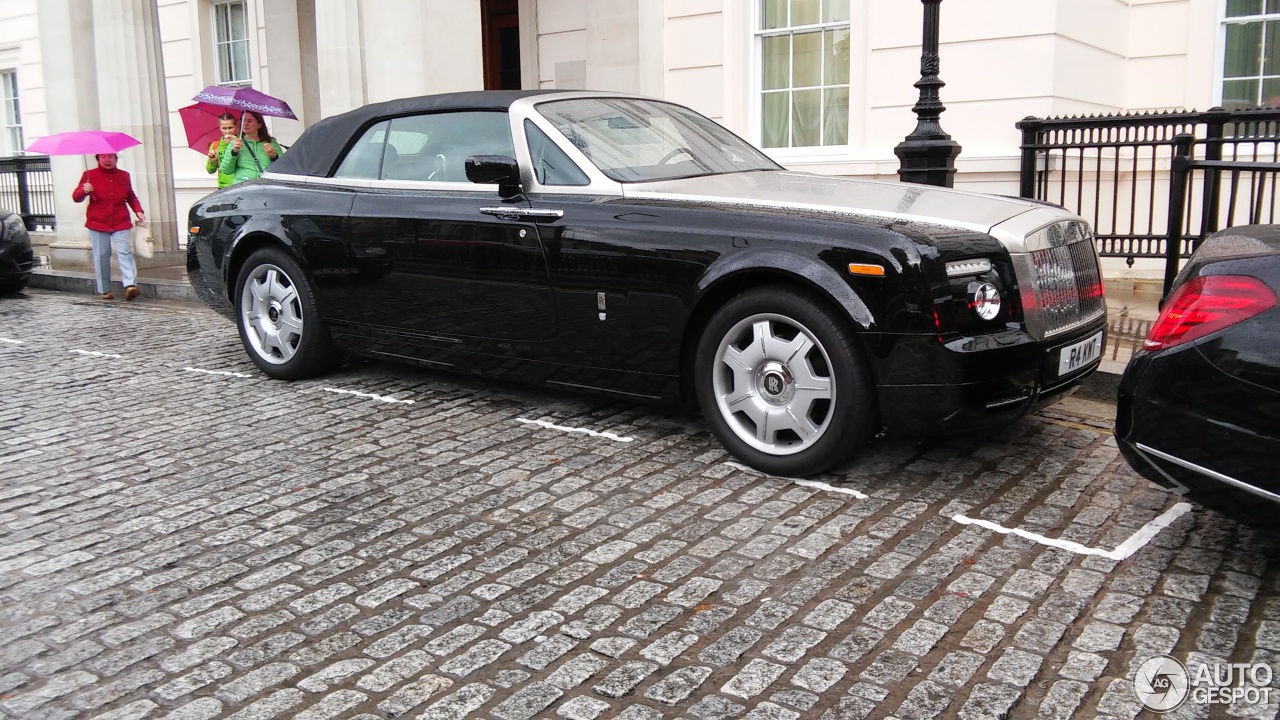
(16, 260)
(929, 387)
(205, 277)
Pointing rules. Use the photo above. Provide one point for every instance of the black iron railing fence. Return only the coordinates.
(1118, 172)
(26, 187)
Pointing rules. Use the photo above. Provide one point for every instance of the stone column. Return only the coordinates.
(291, 56)
(340, 51)
(132, 99)
(397, 38)
(530, 76)
(71, 101)
(453, 41)
(613, 46)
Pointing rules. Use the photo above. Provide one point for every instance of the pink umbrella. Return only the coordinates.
(83, 142)
(200, 121)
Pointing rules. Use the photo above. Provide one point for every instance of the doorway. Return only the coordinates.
(501, 19)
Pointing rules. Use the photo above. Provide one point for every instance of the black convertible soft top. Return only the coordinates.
(317, 151)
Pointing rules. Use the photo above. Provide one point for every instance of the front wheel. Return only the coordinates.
(782, 382)
(278, 319)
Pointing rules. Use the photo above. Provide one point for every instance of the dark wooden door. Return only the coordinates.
(501, 20)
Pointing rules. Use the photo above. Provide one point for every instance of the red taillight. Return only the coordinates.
(1206, 305)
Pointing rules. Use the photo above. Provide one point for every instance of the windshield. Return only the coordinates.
(640, 140)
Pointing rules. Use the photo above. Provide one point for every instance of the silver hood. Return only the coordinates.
(804, 191)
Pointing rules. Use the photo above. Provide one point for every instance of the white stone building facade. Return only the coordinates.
(824, 85)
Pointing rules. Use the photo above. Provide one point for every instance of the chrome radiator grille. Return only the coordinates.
(1068, 285)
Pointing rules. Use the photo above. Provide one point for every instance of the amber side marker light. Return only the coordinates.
(195, 229)
(1206, 305)
(872, 270)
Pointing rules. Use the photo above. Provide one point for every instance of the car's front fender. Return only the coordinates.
(786, 265)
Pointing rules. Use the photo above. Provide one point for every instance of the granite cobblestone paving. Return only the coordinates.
(178, 544)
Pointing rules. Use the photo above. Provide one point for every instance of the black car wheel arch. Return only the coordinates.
(300, 346)
(843, 422)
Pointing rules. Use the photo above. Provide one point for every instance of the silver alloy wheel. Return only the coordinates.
(772, 383)
(271, 313)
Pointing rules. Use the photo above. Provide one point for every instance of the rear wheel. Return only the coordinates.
(782, 382)
(278, 319)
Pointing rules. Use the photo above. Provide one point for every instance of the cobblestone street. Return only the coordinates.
(182, 537)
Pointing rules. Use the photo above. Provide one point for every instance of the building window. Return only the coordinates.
(1251, 54)
(231, 43)
(804, 55)
(10, 115)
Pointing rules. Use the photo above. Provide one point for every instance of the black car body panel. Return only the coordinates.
(16, 255)
(1204, 416)
(606, 287)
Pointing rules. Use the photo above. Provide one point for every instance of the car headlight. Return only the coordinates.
(13, 225)
(984, 299)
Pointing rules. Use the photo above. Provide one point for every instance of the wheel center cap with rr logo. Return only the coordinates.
(776, 384)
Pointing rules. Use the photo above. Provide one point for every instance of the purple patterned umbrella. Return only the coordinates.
(245, 98)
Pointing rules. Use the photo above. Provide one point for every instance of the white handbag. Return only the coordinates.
(142, 245)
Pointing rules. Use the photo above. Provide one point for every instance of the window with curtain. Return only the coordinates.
(804, 64)
(1251, 54)
(10, 114)
(231, 43)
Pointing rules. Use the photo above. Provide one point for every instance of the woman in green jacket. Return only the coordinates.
(250, 154)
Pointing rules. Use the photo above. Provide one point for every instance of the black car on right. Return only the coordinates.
(1199, 406)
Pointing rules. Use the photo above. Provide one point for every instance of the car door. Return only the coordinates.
(455, 265)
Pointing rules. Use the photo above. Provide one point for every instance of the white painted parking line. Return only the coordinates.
(1122, 552)
(592, 433)
(12, 342)
(215, 372)
(95, 353)
(370, 396)
(832, 488)
(807, 483)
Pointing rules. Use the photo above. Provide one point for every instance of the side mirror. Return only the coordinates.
(495, 170)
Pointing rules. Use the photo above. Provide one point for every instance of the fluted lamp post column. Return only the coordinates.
(928, 155)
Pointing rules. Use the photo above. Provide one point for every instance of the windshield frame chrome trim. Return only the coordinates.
(526, 109)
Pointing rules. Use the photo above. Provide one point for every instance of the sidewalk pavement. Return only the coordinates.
(162, 283)
(1131, 308)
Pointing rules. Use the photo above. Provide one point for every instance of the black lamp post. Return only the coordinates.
(928, 155)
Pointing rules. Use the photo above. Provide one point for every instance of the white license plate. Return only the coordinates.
(1074, 357)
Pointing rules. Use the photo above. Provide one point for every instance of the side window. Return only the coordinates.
(365, 157)
(550, 164)
(435, 147)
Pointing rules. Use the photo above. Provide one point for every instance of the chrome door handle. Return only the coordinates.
(515, 213)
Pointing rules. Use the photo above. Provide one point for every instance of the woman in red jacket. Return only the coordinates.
(110, 191)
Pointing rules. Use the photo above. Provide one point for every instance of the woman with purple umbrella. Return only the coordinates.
(111, 195)
(249, 155)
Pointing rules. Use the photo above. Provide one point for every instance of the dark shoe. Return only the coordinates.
(108, 296)
(131, 292)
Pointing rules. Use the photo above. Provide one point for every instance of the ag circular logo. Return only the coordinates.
(1161, 683)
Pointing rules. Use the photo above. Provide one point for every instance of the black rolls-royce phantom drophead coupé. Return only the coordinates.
(631, 246)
